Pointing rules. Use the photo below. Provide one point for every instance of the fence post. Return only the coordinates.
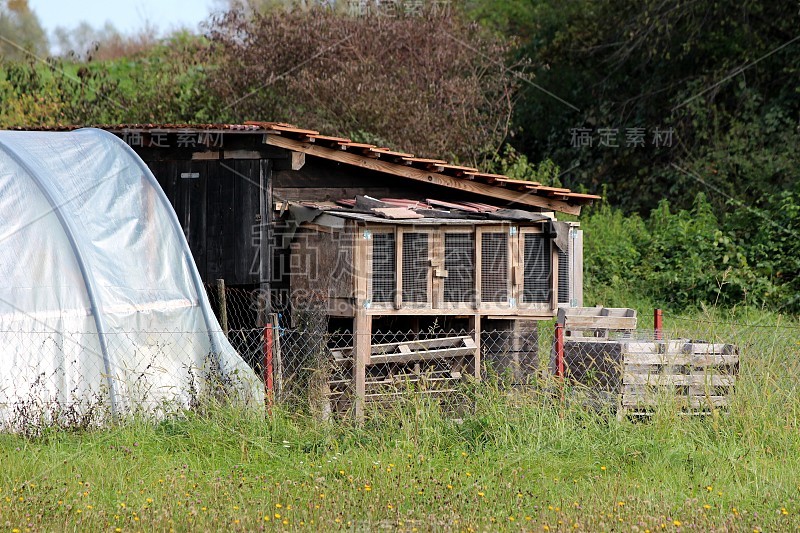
(658, 323)
(268, 374)
(559, 350)
(223, 305)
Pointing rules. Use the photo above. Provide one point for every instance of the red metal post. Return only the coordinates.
(560, 350)
(268, 377)
(658, 323)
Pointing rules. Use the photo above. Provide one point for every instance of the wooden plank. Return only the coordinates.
(706, 401)
(714, 360)
(680, 359)
(709, 348)
(672, 359)
(423, 176)
(362, 325)
(247, 260)
(437, 262)
(397, 212)
(682, 380)
(398, 264)
(609, 322)
(210, 155)
(478, 265)
(694, 402)
(427, 355)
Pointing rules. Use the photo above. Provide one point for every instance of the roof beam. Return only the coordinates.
(525, 198)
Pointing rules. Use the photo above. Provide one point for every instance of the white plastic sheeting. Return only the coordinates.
(100, 300)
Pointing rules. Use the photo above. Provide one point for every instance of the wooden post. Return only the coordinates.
(362, 322)
(268, 370)
(559, 341)
(475, 322)
(223, 305)
(658, 324)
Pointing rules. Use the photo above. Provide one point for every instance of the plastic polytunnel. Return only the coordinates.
(101, 305)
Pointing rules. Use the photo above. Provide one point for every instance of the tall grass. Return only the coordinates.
(513, 460)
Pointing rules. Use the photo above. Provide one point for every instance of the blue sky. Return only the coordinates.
(126, 15)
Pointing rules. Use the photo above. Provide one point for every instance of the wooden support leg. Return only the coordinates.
(475, 325)
(362, 343)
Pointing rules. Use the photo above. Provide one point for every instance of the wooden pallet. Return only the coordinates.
(427, 367)
(697, 376)
(595, 321)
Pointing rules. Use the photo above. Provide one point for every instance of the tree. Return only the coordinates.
(21, 33)
(434, 85)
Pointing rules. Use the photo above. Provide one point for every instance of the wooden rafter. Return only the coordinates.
(435, 178)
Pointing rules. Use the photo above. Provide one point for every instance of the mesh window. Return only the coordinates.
(563, 277)
(415, 267)
(494, 267)
(459, 261)
(383, 267)
(536, 285)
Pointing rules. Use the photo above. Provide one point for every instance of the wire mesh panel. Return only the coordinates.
(415, 267)
(459, 261)
(494, 267)
(563, 277)
(537, 268)
(383, 267)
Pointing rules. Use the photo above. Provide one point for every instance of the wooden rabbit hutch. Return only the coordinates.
(423, 290)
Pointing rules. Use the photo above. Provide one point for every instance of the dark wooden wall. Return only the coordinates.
(224, 207)
(323, 180)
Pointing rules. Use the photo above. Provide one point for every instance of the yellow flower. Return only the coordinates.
(277, 515)
(367, 488)
(603, 467)
(709, 488)
(620, 503)
(278, 506)
(481, 494)
(706, 506)
(676, 523)
(149, 500)
(784, 511)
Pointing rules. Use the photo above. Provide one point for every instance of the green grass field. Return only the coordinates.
(514, 462)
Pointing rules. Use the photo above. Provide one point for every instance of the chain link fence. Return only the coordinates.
(304, 364)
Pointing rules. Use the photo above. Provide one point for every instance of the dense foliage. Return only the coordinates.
(699, 97)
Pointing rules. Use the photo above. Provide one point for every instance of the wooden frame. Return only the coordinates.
(480, 231)
(377, 229)
(430, 231)
(546, 307)
(469, 301)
